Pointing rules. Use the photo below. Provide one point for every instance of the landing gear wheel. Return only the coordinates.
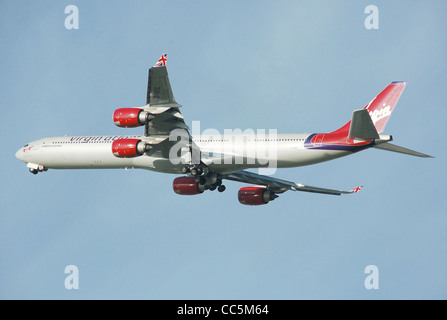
(196, 171)
(213, 187)
(185, 169)
(33, 171)
(202, 180)
(221, 188)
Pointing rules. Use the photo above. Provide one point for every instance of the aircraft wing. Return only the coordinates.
(165, 115)
(278, 185)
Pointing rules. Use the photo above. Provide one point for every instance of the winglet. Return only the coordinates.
(162, 61)
(355, 190)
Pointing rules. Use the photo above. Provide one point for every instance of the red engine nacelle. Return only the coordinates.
(130, 117)
(129, 148)
(187, 186)
(255, 196)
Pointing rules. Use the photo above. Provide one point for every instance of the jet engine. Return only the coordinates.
(130, 117)
(187, 186)
(255, 196)
(129, 148)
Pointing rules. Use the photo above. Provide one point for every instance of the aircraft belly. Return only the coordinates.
(83, 156)
(285, 156)
(156, 164)
(304, 157)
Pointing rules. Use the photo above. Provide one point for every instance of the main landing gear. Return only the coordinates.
(211, 181)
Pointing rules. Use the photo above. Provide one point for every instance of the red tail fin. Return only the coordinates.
(381, 107)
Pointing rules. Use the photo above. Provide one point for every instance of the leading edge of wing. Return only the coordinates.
(279, 185)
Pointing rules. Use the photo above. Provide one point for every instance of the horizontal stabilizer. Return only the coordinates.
(362, 126)
(394, 148)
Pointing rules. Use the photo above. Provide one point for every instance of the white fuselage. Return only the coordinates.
(246, 151)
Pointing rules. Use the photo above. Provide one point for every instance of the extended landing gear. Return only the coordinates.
(218, 185)
(205, 178)
(35, 169)
(194, 170)
(185, 169)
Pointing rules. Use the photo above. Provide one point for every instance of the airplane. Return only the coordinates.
(206, 160)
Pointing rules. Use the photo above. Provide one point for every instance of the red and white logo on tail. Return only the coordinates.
(355, 190)
(381, 107)
(162, 61)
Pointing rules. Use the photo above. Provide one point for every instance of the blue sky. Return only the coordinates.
(294, 66)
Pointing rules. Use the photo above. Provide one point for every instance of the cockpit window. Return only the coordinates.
(26, 145)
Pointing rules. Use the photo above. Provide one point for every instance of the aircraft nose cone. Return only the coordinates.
(19, 154)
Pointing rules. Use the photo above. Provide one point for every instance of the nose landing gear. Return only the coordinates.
(35, 168)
